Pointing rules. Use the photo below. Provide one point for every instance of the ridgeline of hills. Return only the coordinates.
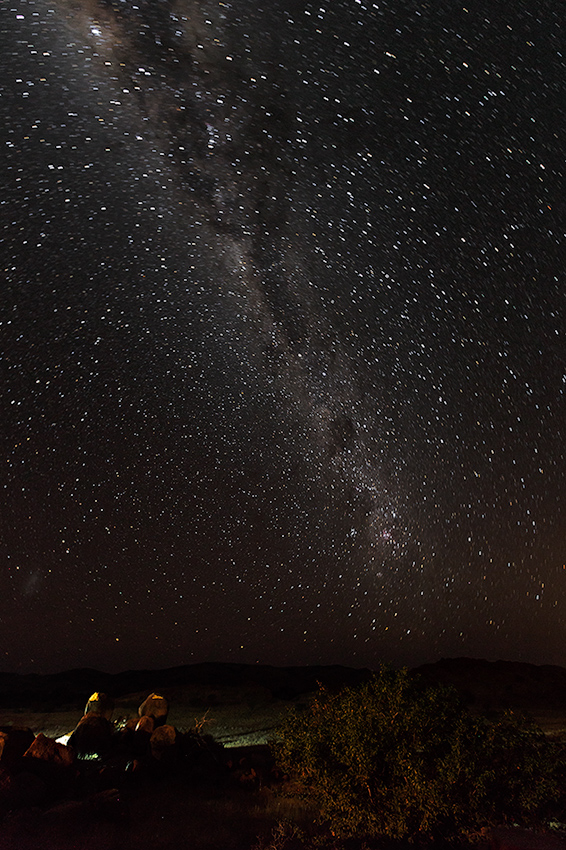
(483, 684)
(74, 686)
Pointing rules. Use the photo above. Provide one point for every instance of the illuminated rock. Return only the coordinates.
(142, 734)
(145, 724)
(99, 703)
(51, 762)
(155, 706)
(46, 749)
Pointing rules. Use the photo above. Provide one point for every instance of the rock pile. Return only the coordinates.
(100, 760)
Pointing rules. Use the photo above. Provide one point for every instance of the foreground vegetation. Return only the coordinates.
(394, 758)
(372, 766)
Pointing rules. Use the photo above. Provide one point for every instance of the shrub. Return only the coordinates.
(395, 758)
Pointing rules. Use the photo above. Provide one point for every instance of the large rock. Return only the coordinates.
(141, 737)
(52, 763)
(14, 741)
(48, 750)
(145, 724)
(92, 735)
(155, 706)
(163, 744)
(99, 703)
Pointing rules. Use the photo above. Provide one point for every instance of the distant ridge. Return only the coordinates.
(73, 687)
(500, 684)
(484, 685)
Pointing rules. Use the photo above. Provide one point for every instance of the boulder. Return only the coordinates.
(145, 724)
(99, 703)
(92, 735)
(155, 706)
(52, 763)
(49, 750)
(14, 741)
(163, 744)
(123, 741)
(139, 744)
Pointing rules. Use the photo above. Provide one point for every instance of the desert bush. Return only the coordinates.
(393, 757)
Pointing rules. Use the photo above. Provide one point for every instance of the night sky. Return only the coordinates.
(282, 332)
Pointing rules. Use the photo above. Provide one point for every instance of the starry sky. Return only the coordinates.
(282, 332)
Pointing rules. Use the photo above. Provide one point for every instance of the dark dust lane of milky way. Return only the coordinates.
(282, 332)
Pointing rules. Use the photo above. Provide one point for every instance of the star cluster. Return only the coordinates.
(282, 332)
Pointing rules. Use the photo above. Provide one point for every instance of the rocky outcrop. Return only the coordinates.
(92, 735)
(47, 750)
(49, 761)
(162, 744)
(142, 734)
(155, 706)
(100, 703)
(37, 769)
(145, 724)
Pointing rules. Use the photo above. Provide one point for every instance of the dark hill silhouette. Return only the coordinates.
(483, 684)
(499, 685)
(74, 686)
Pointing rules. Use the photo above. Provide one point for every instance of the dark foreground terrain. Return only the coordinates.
(212, 785)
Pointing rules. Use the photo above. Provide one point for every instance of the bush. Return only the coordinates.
(395, 758)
